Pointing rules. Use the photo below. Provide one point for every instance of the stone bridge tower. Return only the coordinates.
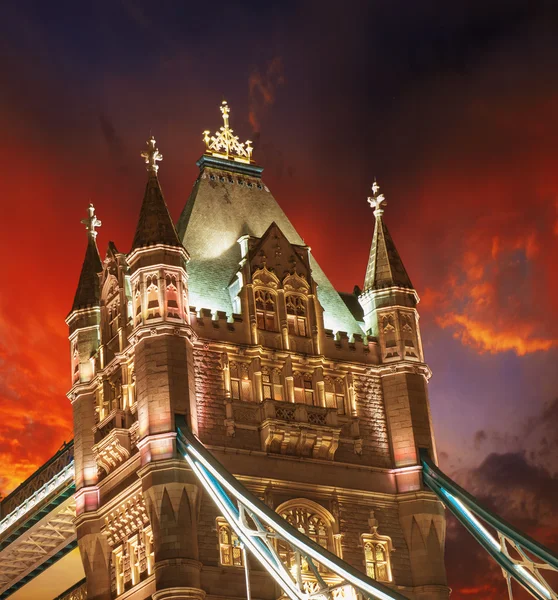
(318, 404)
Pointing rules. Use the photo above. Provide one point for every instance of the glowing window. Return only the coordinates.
(171, 283)
(230, 552)
(296, 315)
(147, 536)
(335, 394)
(241, 385)
(135, 563)
(314, 522)
(272, 384)
(303, 388)
(152, 289)
(118, 566)
(266, 316)
(376, 558)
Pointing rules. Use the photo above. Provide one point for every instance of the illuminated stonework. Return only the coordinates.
(223, 144)
(315, 400)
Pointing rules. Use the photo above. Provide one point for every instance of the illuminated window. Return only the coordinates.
(241, 386)
(265, 310)
(313, 521)
(303, 388)
(118, 566)
(335, 394)
(230, 552)
(112, 319)
(152, 289)
(376, 558)
(272, 384)
(296, 315)
(173, 310)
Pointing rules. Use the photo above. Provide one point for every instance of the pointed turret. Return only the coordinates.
(387, 290)
(385, 267)
(88, 292)
(155, 225)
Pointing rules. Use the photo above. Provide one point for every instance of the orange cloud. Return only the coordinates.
(486, 338)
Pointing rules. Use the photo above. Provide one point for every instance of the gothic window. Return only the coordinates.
(376, 558)
(137, 303)
(152, 289)
(266, 316)
(75, 362)
(313, 521)
(335, 394)
(303, 388)
(173, 310)
(118, 566)
(272, 384)
(230, 552)
(296, 315)
(241, 385)
(388, 331)
(408, 334)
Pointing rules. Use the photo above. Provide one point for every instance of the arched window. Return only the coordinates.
(152, 289)
(266, 316)
(112, 318)
(241, 386)
(272, 384)
(335, 394)
(230, 552)
(296, 315)
(303, 388)
(173, 310)
(312, 520)
(376, 558)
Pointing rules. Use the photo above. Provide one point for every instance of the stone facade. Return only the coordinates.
(324, 427)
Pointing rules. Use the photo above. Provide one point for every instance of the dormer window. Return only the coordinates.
(266, 315)
(296, 315)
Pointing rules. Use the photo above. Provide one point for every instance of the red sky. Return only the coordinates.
(453, 109)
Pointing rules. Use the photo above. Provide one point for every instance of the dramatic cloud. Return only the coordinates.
(263, 89)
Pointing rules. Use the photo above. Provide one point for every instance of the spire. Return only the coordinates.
(88, 292)
(385, 267)
(155, 225)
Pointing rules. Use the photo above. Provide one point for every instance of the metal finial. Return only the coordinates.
(152, 156)
(377, 201)
(91, 222)
(223, 144)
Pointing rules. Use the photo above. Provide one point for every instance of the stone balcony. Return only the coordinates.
(114, 440)
(291, 429)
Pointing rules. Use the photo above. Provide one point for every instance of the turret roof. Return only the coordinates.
(385, 267)
(155, 225)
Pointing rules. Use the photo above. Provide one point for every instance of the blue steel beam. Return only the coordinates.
(235, 500)
(468, 511)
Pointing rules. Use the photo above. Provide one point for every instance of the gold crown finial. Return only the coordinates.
(152, 156)
(91, 223)
(377, 201)
(226, 145)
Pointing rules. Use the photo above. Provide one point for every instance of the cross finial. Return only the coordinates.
(152, 156)
(377, 201)
(91, 222)
(225, 110)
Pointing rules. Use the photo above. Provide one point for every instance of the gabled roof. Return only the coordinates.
(224, 205)
(88, 291)
(385, 267)
(155, 225)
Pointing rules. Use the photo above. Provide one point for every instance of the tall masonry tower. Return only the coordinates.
(316, 401)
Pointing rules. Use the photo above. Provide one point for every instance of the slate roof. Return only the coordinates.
(88, 291)
(217, 213)
(385, 267)
(155, 225)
